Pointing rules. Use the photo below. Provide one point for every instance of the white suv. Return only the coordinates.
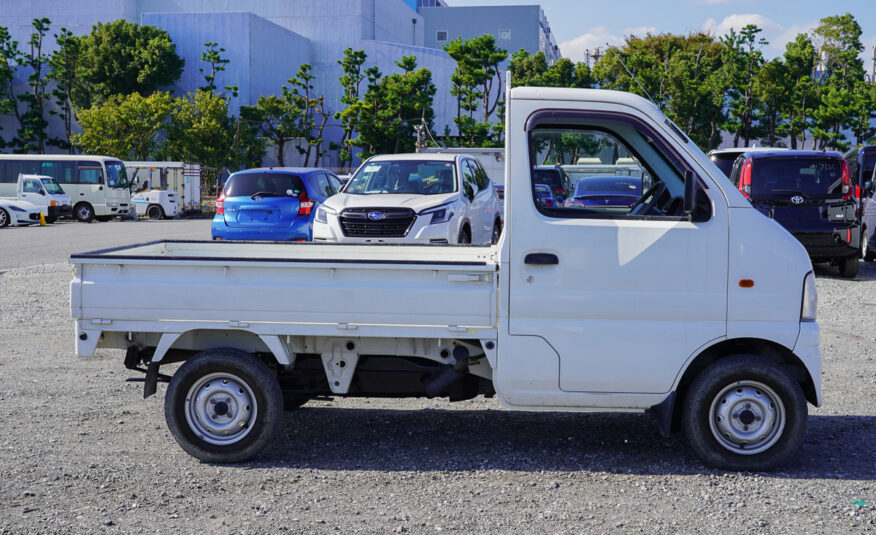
(413, 198)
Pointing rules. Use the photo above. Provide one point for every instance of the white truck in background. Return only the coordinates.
(180, 178)
(691, 306)
(45, 193)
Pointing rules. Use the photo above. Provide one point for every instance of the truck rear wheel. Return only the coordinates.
(223, 406)
(745, 413)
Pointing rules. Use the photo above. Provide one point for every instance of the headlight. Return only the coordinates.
(16, 209)
(322, 213)
(440, 214)
(810, 299)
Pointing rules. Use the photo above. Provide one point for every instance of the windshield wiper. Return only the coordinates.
(266, 194)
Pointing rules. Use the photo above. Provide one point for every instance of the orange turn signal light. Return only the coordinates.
(746, 283)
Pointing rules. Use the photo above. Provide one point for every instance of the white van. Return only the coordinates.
(98, 185)
(45, 193)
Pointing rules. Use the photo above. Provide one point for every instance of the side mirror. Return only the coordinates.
(868, 188)
(690, 192)
(42, 192)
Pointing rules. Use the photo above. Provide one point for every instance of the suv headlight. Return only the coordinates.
(440, 214)
(810, 298)
(322, 214)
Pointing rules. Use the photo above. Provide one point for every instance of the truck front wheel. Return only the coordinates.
(223, 406)
(155, 212)
(745, 413)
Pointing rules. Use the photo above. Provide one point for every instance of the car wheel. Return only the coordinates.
(154, 212)
(497, 233)
(4, 218)
(868, 254)
(745, 412)
(84, 212)
(848, 266)
(223, 406)
(464, 236)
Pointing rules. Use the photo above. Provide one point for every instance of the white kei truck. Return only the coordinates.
(689, 305)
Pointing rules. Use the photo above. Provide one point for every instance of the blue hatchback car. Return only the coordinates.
(272, 204)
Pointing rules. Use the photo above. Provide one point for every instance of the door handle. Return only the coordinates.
(543, 259)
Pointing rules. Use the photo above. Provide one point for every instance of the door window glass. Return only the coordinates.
(62, 172)
(323, 188)
(89, 175)
(469, 184)
(603, 170)
(480, 176)
(31, 186)
(335, 184)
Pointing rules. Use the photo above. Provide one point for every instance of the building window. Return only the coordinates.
(441, 35)
(504, 35)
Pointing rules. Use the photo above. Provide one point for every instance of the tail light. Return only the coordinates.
(745, 178)
(305, 205)
(847, 182)
(220, 203)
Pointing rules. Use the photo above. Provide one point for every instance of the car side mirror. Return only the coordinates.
(41, 192)
(690, 192)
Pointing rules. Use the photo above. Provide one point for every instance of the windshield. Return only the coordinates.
(424, 177)
(265, 184)
(820, 177)
(51, 186)
(116, 176)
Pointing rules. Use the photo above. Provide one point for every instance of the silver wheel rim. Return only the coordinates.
(4, 218)
(84, 212)
(220, 408)
(747, 417)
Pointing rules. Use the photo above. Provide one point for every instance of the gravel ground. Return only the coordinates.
(82, 452)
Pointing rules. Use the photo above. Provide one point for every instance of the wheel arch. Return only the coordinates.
(736, 346)
(175, 347)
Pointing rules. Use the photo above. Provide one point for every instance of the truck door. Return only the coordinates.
(32, 191)
(618, 281)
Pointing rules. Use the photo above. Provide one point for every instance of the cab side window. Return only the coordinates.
(31, 186)
(469, 183)
(604, 170)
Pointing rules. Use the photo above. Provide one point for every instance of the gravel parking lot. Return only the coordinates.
(82, 452)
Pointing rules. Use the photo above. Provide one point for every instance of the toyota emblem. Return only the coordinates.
(376, 216)
(797, 199)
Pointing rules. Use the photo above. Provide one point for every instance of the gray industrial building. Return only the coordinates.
(266, 40)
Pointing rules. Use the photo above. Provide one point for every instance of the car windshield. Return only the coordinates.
(51, 186)
(265, 184)
(810, 176)
(116, 176)
(609, 184)
(424, 177)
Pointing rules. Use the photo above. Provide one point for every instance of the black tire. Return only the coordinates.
(741, 392)
(84, 212)
(464, 236)
(51, 220)
(867, 253)
(848, 266)
(249, 409)
(4, 218)
(497, 233)
(103, 218)
(155, 212)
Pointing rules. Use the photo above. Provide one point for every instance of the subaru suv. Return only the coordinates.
(273, 204)
(810, 194)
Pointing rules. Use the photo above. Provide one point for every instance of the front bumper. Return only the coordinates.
(56, 212)
(421, 232)
(839, 243)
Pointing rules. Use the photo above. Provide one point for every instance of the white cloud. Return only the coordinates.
(739, 21)
(575, 49)
(641, 31)
(790, 33)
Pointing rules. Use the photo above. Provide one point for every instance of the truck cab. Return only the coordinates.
(45, 192)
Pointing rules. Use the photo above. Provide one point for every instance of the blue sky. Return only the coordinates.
(581, 24)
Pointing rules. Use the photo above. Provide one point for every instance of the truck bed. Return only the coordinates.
(288, 289)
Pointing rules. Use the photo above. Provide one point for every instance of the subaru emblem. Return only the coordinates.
(375, 216)
(797, 199)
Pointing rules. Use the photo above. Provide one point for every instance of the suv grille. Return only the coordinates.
(395, 223)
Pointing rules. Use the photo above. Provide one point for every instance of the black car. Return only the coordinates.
(862, 164)
(556, 179)
(809, 193)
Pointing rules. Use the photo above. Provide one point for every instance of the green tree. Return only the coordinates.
(215, 64)
(392, 107)
(799, 64)
(743, 60)
(122, 57)
(201, 130)
(472, 83)
(773, 91)
(9, 54)
(527, 70)
(351, 80)
(125, 126)
(63, 68)
(312, 117)
(29, 107)
(250, 144)
(277, 121)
